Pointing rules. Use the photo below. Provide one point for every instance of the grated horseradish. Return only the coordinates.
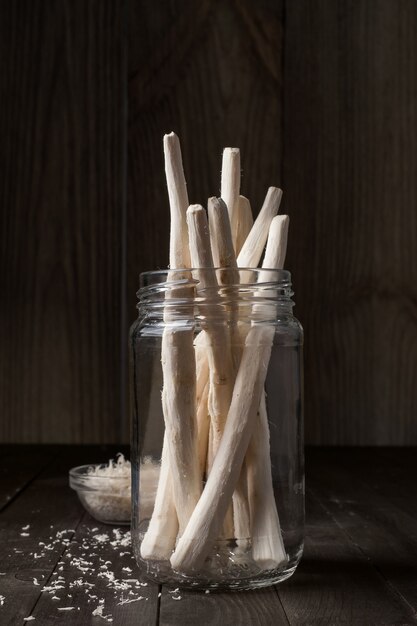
(109, 494)
(106, 489)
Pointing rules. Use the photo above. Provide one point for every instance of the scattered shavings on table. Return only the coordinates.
(88, 556)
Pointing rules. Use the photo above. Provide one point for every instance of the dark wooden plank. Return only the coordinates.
(212, 72)
(62, 131)
(389, 473)
(44, 509)
(96, 570)
(20, 465)
(382, 531)
(186, 608)
(358, 569)
(349, 176)
(336, 584)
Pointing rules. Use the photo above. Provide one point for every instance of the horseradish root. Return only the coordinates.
(205, 523)
(255, 242)
(180, 483)
(218, 347)
(244, 222)
(230, 186)
(267, 544)
(215, 481)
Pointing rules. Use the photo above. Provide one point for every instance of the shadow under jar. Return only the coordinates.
(217, 429)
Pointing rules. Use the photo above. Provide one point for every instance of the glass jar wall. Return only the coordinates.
(217, 440)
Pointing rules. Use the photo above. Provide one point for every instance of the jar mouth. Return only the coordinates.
(231, 277)
(179, 288)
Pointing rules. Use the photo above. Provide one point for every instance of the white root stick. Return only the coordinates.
(249, 256)
(179, 253)
(218, 341)
(268, 549)
(203, 429)
(198, 538)
(221, 241)
(276, 248)
(244, 222)
(159, 540)
(224, 257)
(241, 510)
(267, 544)
(179, 461)
(254, 245)
(178, 404)
(200, 534)
(230, 186)
(217, 332)
(202, 393)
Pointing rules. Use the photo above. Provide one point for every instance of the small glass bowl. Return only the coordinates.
(106, 498)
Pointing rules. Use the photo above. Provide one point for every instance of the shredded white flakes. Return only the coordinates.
(173, 591)
(26, 527)
(109, 494)
(29, 619)
(86, 567)
(128, 601)
(24, 534)
(98, 612)
(2, 599)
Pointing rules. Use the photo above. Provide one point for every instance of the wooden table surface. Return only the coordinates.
(58, 565)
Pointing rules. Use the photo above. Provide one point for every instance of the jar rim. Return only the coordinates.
(171, 290)
(259, 275)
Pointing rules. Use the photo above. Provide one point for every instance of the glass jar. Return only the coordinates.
(217, 429)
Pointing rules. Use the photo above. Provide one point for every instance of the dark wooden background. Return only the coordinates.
(320, 96)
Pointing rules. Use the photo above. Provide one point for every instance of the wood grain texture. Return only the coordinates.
(358, 566)
(350, 171)
(335, 583)
(386, 532)
(45, 508)
(44, 502)
(257, 608)
(61, 128)
(320, 97)
(141, 612)
(212, 72)
(19, 467)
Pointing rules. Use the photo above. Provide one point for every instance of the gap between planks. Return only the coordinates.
(28, 476)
